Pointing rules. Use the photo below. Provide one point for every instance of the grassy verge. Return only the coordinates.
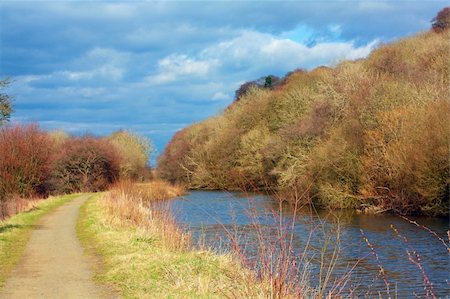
(15, 232)
(140, 261)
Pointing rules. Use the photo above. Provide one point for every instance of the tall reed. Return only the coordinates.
(139, 205)
(282, 265)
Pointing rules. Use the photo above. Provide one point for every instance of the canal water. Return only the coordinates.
(363, 244)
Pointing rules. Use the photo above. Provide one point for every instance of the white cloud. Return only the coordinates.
(286, 52)
(175, 66)
(183, 65)
(220, 96)
(173, 62)
(260, 51)
(100, 55)
(92, 10)
(76, 76)
(31, 78)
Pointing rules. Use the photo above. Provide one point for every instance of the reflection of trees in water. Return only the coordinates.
(241, 222)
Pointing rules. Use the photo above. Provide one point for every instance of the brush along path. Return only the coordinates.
(53, 264)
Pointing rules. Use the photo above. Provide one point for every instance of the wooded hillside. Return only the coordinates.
(371, 134)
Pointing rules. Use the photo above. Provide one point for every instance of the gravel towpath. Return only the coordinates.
(54, 264)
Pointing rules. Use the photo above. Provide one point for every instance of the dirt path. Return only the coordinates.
(53, 264)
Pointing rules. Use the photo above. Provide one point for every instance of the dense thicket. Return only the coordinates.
(25, 161)
(83, 165)
(134, 151)
(371, 134)
(35, 163)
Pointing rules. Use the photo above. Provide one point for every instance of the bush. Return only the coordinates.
(5, 102)
(25, 161)
(58, 138)
(171, 165)
(244, 88)
(268, 82)
(85, 164)
(406, 160)
(134, 151)
(441, 21)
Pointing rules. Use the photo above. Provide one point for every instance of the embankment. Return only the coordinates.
(146, 255)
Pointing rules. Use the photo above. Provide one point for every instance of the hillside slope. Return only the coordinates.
(371, 134)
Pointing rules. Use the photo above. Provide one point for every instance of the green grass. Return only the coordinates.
(138, 265)
(15, 232)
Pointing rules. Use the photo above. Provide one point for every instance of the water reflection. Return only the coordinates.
(213, 217)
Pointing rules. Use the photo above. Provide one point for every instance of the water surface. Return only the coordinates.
(216, 217)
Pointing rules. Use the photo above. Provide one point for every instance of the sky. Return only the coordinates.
(155, 67)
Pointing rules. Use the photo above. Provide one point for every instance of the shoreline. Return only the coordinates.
(140, 263)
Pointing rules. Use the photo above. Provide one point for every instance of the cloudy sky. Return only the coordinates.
(155, 67)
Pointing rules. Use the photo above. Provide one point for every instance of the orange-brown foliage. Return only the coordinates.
(172, 161)
(85, 164)
(370, 134)
(25, 160)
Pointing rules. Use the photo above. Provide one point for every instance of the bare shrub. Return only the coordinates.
(244, 88)
(285, 268)
(83, 165)
(313, 124)
(15, 204)
(171, 164)
(134, 151)
(406, 161)
(25, 161)
(389, 60)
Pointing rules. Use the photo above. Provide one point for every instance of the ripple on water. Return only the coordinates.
(213, 215)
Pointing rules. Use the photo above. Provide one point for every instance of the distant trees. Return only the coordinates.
(268, 82)
(271, 81)
(172, 163)
(5, 102)
(85, 164)
(58, 137)
(92, 164)
(441, 21)
(244, 88)
(134, 151)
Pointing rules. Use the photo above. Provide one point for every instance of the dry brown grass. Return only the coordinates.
(147, 255)
(138, 205)
(15, 205)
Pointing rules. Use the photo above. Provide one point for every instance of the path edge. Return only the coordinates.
(14, 248)
(87, 242)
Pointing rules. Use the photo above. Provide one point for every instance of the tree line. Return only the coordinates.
(370, 134)
(36, 163)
